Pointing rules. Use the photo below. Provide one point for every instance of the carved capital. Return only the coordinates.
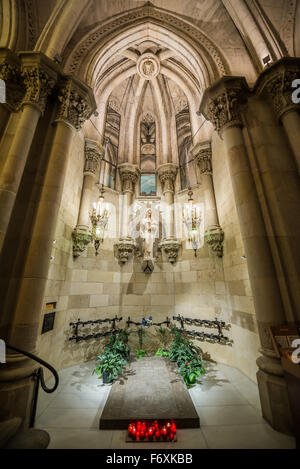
(39, 75)
(276, 84)
(170, 248)
(167, 175)
(124, 249)
(10, 73)
(76, 102)
(223, 102)
(202, 154)
(129, 175)
(214, 237)
(92, 154)
(81, 238)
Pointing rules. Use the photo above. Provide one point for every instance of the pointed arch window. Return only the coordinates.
(108, 168)
(148, 156)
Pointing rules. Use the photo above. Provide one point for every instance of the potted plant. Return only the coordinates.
(109, 365)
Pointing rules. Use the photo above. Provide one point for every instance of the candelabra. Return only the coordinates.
(99, 219)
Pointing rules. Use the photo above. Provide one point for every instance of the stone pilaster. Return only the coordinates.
(167, 175)
(126, 245)
(22, 331)
(214, 235)
(81, 234)
(223, 105)
(275, 84)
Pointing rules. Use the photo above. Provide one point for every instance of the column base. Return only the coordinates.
(214, 237)
(81, 238)
(170, 247)
(124, 248)
(274, 396)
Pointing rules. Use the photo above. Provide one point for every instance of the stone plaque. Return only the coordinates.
(150, 389)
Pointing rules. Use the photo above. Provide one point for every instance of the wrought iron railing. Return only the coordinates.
(39, 375)
(220, 325)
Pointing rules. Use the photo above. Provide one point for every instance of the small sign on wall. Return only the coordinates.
(48, 322)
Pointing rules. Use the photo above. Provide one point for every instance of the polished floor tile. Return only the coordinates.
(227, 403)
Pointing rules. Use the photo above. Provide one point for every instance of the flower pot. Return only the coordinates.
(105, 378)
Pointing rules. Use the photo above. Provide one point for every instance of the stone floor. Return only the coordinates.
(227, 403)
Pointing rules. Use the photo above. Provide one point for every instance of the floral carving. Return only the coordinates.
(280, 91)
(39, 84)
(92, 158)
(224, 109)
(74, 107)
(124, 249)
(214, 237)
(203, 159)
(170, 248)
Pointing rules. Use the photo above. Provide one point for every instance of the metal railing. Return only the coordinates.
(39, 375)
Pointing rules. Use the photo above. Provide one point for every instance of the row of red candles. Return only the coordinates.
(142, 430)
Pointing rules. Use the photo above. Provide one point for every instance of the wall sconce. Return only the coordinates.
(192, 220)
(99, 219)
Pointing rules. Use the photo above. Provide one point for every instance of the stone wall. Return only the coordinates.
(93, 287)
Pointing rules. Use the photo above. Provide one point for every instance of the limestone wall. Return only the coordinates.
(205, 286)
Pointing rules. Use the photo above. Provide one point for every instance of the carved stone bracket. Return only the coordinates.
(167, 175)
(202, 154)
(170, 247)
(129, 175)
(76, 102)
(124, 249)
(92, 154)
(222, 103)
(81, 238)
(214, 237)
(276, 84)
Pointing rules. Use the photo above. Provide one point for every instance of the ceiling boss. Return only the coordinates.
(148, 66)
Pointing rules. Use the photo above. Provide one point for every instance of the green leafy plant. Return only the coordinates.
(162, 353)
(110, 363)
(163, 335)
(191, 370)
(187, 357)
(141, 335)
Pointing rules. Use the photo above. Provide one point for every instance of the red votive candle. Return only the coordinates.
(150, 433)
(173, 428)
(171, 436)
(137, 436)
(139, 426)
(133, 433)
(168, 425)
(142, 435)
(164, 432)
(157, 434)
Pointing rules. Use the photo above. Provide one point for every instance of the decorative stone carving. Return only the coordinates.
(124, 249)
(129, 175)
(170, 248)
(148, 66)
(99, 34)
(214, 237)
(167, 175)
(203, 159)
(81, 238)
(222, 104)
(92, 155)
(276, 84)
(76, 103)
(39, 84)
(10, 73)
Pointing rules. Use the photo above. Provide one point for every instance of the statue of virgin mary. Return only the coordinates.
(148, 232)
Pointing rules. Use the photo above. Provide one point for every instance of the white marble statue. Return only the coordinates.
(148, 232)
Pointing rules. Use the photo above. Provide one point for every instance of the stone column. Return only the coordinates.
(222, 104)
(75, 105)
(280, 178)
(214, 234)
(81, 234)
(276, 84)
(39, 78)
(167, 175)
(129, 175)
